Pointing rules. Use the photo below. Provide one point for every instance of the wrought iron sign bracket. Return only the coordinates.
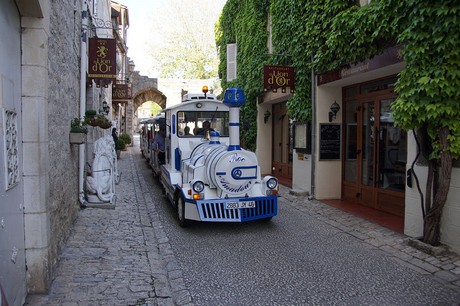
(98, 23)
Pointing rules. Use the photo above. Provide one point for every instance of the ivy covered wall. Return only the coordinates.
(294, 28)
(245, 23)
(326, 34)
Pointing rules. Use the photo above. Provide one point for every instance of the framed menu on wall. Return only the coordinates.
(302, 137)
(329, 141)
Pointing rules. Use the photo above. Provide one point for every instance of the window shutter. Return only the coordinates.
(231, 62)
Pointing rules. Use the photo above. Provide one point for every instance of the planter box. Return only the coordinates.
(77, 138)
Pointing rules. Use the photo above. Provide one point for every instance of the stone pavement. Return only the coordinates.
(122, 256)
(444, 267)
(118, 256)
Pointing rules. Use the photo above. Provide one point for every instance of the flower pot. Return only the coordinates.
(77, 138)
(105, 124)
(93, 121)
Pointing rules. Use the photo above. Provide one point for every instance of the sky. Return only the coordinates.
(148, 20)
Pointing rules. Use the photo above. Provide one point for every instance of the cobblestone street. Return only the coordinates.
(120, 255)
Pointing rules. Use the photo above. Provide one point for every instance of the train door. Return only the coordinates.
(375, 152)
(12, 248)
(282, 149)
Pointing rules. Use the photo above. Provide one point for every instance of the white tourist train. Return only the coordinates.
(206, 175)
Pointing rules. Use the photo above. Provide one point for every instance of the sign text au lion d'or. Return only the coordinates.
(102, 59)
(276, 77)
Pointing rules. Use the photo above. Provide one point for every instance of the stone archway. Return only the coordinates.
(144, 89)
(148, 94)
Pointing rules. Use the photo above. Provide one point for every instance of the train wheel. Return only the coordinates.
(181, 211)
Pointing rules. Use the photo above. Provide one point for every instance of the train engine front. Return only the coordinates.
(221, 182)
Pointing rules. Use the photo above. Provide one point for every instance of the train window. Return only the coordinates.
(192, 123)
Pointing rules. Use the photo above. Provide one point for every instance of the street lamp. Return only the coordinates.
(267, 115)
(131, 66)
(335, 107)
(105, 108)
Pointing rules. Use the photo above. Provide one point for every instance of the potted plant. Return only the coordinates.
(90, 117)
(90, 113)
(120, 145)
(126, 138)
(103, 122)
(78, 131)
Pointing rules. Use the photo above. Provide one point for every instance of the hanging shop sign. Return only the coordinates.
(102, 60)
(279, 77)
(121, 92)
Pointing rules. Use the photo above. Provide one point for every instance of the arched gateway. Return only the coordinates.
(143, 89)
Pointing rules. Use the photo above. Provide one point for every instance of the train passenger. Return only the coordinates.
(206, 128)
(159, 145)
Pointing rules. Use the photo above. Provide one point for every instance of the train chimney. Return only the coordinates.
(234, 98)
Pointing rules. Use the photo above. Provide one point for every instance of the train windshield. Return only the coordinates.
(195, 124)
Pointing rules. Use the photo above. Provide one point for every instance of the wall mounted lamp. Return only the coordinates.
(267, 115)
(334, 110)
(105, 108)
(131, 66)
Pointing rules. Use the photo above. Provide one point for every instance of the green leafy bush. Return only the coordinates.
(120, 145)
(126, 138)
(90, 113)
(78, 126)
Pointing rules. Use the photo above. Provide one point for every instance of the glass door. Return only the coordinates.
(374, 149)
(392, 152)
(282, 148)
(367, 144)
(351, 142)
(375, 155)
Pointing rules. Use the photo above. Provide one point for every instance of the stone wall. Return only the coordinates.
(64, 97)
(50, 100)
(48, 224)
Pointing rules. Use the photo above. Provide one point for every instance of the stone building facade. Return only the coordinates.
(40, 93)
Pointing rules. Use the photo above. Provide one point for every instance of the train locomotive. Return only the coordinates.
(206, 175)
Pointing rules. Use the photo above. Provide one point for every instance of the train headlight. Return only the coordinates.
(198, 186)
(272, 183)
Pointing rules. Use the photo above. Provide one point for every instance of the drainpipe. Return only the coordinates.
(83, 64)
(313, 133)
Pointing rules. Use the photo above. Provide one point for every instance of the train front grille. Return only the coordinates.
(215, 210)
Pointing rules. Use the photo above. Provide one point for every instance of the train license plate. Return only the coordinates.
(242, 204)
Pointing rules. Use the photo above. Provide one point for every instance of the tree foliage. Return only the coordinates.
(429, 87)
(184, 44)
(327, 34)
(429, 97)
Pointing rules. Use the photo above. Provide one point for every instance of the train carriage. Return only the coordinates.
(207, 176)
(148, 127)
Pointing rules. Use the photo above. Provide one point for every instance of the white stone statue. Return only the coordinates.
(104, 173)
